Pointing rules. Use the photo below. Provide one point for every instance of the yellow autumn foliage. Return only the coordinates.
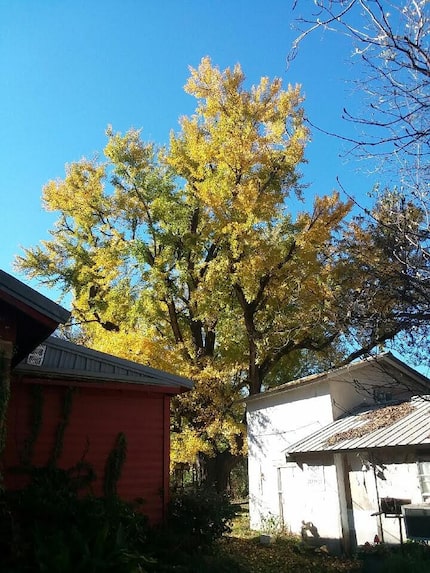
(200, 259)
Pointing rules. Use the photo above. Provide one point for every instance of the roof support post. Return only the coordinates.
(349, 538)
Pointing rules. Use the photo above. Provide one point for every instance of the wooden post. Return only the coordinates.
(349, 537)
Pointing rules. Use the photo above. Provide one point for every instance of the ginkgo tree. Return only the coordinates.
(203, 258)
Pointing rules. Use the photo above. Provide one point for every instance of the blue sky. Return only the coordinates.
(69, 68)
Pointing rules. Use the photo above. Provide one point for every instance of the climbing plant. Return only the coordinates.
(62, 425)
(36, 413)
(114, 464)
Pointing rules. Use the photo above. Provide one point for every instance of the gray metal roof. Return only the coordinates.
(411, 427)
(25, 294)
(60, 358)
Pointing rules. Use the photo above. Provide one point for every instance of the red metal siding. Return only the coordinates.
(97, 416)
(166, 453)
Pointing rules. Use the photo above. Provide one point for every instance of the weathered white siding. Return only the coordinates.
(335, 492)
(399, 480)
(310, 499)
(350, 389)
(273, 424)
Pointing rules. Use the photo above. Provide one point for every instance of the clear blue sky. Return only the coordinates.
(71, 67)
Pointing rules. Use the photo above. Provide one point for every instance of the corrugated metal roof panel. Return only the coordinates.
(65, 358)
(412, 427)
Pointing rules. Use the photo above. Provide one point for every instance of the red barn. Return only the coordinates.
(70, 404)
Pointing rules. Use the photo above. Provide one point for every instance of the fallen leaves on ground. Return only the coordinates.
(285, 555)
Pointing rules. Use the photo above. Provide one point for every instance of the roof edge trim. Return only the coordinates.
(33, 299)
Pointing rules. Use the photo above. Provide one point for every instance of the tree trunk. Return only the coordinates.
(217, 469)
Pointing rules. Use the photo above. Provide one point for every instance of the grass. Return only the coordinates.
(242, 552)
(286, 555)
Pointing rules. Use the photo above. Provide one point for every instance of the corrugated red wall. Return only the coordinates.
(98, 413)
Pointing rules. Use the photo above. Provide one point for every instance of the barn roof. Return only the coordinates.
(402, 424)
(35, 316)
(58, 358)
(20, 292)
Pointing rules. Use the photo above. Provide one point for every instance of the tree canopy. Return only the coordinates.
(207, 258)
(195, 248)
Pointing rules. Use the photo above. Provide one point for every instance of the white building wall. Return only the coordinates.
(310, 494)
(272, 426)
(398, 480)
(311, 500)
(351, 389)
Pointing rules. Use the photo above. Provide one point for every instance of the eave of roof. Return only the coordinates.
(66, 359)
(412, 429)
(384, 359)
(18, 291)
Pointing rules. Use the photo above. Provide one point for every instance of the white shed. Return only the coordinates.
(328, 452)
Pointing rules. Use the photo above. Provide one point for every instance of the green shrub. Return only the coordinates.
(199, 516)
(47, 527)
(411, 557)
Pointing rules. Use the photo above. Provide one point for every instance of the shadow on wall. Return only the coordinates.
(262, 424)
(310, 536)
(309, 531)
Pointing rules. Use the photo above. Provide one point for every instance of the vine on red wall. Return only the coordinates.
(62, 425)
(114, 464)
(36, 416)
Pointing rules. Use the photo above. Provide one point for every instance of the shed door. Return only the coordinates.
(310, 500)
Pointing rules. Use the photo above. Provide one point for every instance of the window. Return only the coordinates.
(382, 396)
(424, 477)
(36, 357)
